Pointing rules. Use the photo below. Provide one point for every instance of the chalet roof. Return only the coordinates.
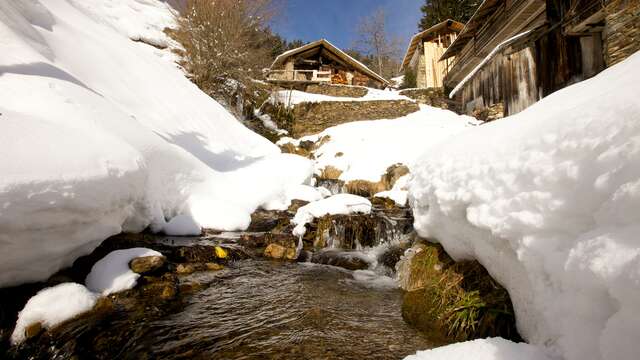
(332, 49)
(476, 21)
(448, 24)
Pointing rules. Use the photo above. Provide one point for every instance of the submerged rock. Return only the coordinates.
(344, 259)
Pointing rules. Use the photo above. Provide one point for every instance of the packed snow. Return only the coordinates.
(53, 306)
(363, 150)
(112, 274)
(341, 204)
(482, 349)
(99, 134)
(182, 225)
(548, 200)
(293, 97)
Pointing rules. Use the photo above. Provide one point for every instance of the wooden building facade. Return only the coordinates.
(512, 53)
(424, 53)
(321, 62)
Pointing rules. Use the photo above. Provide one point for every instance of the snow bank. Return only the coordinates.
(298, 192)
(548, 201)
(182, 225)
(99, 135)
(294, 97)
(53, 306)
(363, 150)
(112, 273)
(341, 204)
(482, 349)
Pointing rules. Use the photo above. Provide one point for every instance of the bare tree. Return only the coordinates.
(224, 39)
(374, 40)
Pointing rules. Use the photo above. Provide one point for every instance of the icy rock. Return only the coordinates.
(50, 307)
(112, 273)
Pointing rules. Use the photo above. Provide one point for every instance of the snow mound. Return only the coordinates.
(112, 273)
(182, 225)
(482, 349)
(99, 135)
(53, 306)
(548, 201)
(341, 204)
(363, 150)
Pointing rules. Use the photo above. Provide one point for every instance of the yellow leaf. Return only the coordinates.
(220, 252)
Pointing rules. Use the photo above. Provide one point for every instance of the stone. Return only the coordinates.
(277, 251)
(213, 266)
(337, 90)
(429, 96)
(147, 264)
(313, 118)
(393, 173)
(344, 259)
(185, 269)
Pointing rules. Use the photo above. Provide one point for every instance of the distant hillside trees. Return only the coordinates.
(437, 11)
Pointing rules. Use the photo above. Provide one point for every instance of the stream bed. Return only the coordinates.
(257, 309)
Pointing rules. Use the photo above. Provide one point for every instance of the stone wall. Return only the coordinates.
(622, 32)
(430, 96)
(337, 90)
(312, 118)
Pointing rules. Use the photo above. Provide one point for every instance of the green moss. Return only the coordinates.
(459, 299)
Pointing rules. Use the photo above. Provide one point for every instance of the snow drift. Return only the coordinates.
(548, 201)
(99, 134)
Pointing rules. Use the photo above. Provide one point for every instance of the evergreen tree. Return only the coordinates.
(437, 11)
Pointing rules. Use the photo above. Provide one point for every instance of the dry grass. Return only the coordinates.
(330, 173)
(364, 188)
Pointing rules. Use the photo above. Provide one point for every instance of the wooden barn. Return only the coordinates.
(425, 50)
(321, 62)
(512, 53)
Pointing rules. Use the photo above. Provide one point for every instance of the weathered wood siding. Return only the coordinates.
(508, 79)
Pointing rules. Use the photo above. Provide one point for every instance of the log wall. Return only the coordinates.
(508, 79)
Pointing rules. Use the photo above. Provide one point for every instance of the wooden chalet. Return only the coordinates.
(425, 50)
(512, 53)
(321, 62)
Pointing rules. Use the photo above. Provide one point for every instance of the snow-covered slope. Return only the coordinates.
(363, 150)
(99, 134)
(548, 201)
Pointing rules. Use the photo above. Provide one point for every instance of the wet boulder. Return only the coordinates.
(345, 259)
(147, 264)
(277, 251)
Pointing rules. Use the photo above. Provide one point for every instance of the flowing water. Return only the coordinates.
(261, 309)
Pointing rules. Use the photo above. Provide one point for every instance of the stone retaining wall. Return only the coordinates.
(337, 90)
(622, 33)
(428, 96)
(312, 118)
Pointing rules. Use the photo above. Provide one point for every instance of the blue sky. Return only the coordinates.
(337, 20)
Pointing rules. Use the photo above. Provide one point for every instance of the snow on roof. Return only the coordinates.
(324, 42)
